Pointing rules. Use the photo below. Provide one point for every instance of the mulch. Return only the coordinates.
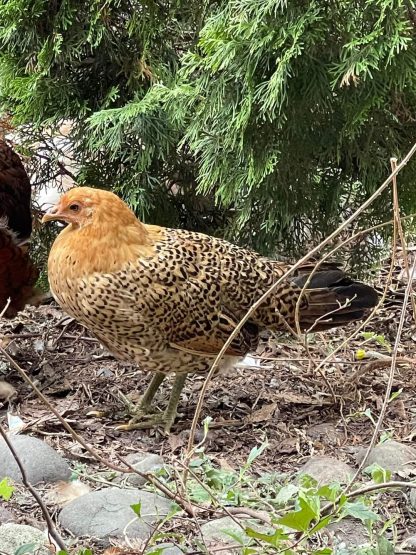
(301, 412)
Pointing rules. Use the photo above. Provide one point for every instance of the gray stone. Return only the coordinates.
(217, 530)
(13, 536)
(325, 432)
(168, 549)
(412, 498)
(144, 462)
(40, 461)
(326, 470)
(5, 514)
(391, 455)
(409, 543)
(347, 535)
(108, 514)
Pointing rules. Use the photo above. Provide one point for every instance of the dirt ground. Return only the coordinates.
(300, 411)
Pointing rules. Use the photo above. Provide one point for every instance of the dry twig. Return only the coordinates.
(51, 528)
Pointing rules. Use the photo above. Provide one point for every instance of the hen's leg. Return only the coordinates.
(141, 420)
(171, 409)
(143, 408)
(150, 392)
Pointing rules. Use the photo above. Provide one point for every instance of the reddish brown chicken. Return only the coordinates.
(168, 299)
(18, 274)
(15, 193)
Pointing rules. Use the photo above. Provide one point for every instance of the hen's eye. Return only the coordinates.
(74, 207)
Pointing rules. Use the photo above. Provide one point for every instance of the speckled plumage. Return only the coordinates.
(167, 298)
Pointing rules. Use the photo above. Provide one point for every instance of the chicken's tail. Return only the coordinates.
(333, 299)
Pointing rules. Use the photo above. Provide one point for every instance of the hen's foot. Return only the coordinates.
(142, 421)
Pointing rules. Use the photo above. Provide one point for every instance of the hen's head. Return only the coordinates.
(83, 206)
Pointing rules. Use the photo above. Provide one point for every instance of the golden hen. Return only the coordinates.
(168, 299)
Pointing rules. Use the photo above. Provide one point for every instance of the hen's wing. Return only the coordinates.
(15, 192)
(330, 299)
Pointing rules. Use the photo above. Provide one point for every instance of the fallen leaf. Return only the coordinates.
(262, 415)
(225, 465)
(175, 441)
(64, 492)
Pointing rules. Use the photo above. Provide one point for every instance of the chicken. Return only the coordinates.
(18, 274)
(168, 299)
(15, 193)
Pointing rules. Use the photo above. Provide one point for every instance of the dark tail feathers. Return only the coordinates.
(334, 299)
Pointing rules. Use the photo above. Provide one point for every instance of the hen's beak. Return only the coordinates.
(51, 215)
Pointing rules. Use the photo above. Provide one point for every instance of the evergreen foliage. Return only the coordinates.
(264, 120)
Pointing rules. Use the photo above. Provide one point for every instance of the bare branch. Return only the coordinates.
(51, 527)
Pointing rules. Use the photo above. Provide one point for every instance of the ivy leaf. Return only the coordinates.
(300, 520)
(6, 489)
(272, 539)
(358, 509)
(137, 508)
(323, 523)
(384, 547)
(256, 452)
(329, 492)
(378, 474)
(307, 481)
(199, 494)
(286, 493)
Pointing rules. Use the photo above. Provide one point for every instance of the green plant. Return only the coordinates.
(267, 122)
(6, 489)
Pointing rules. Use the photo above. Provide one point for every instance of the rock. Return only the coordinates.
(412, 498)
(13, 536)
(391, 455)
(327, 469)
(216, 530)
(108, 514)
(41, 462)
(409, 543)
(346, 534)
(105, 373)
(144, 462)
(7, 391)
(5, 514)
(167, 549)
(325, 433)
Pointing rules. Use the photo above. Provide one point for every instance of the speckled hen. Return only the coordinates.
(168, 299)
